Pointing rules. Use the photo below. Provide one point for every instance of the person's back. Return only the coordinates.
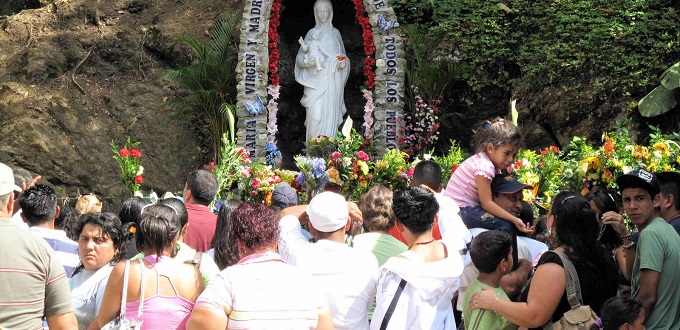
(169, 292)
(32, 281)
(199, 191)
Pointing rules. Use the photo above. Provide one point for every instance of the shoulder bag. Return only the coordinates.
(579, 317)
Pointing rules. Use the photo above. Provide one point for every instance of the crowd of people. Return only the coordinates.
(464, 256)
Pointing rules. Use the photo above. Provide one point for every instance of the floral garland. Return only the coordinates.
(368, 114)
(273, 153)
(369, 63)
(369, 45)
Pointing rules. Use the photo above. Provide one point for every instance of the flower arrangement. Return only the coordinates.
(228, 170)
(421, 127)
(129, 159)
(257, 182)
(369, 44)
(392, 170)
(368, 114)
(312, 177)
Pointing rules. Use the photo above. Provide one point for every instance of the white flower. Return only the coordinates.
(428, 156)
(141, 170)
(626, 169)
(274, 91)
(346, 161)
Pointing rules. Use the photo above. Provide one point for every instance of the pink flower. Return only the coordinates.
(361, 155)
(544, 152)
(540, 164)
(335, 155)
(255, 184)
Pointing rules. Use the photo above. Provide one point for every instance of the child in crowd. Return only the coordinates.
(619, 313)
(496, 146)
(491, 253)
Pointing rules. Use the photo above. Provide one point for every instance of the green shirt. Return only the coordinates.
(208, 268)
(480, 319)
(658, 249)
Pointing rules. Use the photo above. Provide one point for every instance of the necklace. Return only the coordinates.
(421, 243)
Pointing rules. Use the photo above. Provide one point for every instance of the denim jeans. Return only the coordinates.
(477, 217)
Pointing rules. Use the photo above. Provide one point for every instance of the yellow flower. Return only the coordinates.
(380, 163)
(677, 160)
(363, 167)
(593, 163)
(334, 176)
(663, 147)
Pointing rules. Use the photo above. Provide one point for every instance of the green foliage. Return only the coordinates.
(209, 84)
(613, 48)
(450, 161)
(664, 97)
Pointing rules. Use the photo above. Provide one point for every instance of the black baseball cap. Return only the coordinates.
(668, 177)
(639, 178)
(507, 184)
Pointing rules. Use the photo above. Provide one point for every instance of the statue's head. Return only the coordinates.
(323, 12)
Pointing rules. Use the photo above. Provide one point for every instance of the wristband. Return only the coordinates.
(494, 304)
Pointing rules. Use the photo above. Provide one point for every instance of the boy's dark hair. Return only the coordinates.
(670, 185)
(617, 311)
(203, 186)
(415, 208)
(38, 204)
(428, 173)
(489, 248)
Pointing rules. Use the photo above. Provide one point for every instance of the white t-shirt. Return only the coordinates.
(349, 276)
(451, 226)
(87, 292)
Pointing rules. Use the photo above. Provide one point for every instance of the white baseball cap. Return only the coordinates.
(328, 212)
(7, 180)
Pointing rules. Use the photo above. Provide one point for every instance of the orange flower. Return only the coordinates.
(608, 147)
(341, 58)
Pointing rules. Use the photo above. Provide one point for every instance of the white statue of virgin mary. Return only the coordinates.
(324, 83)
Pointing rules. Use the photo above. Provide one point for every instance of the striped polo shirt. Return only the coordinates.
(263, 292)
(32, 280)
(65, 248)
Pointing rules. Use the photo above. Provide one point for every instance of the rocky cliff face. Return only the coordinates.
(69, 87)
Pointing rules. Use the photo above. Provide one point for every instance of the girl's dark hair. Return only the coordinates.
(226, 251)
(179, 207)
(576, 228)
(415, 208)
(131, 210)
(111, 227)
(498, 132)
(67, 221)
(606, 201)
(618, 311)
(157, 229)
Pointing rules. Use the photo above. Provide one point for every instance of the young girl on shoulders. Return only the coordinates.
(496, 144)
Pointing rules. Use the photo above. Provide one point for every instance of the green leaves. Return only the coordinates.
(664, 97)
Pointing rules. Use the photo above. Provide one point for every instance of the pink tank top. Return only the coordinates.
(161, 312)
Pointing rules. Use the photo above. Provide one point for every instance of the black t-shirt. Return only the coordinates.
(597, 284)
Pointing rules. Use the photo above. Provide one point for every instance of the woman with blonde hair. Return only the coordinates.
(88, 203)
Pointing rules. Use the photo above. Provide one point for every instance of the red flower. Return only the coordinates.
(136, 153)
(555, 150)
(454, 168)
(540, 164)
(124, 153)
(139, 179)
(518, 164)
(544, 152)
(361, 155)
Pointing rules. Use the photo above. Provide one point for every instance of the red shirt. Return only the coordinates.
(202, 223)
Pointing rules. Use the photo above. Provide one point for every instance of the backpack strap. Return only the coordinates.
(573, 284)
(393, 305)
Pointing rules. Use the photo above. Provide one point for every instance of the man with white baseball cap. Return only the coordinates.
(29, 264)
(348, 276)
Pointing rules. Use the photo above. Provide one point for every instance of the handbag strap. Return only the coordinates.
(197, 259)
(123, 300)
(573, 284)
(140, 311)
(393, 305)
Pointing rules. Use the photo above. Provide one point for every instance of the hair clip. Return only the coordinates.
(598, 322)
(487, 126)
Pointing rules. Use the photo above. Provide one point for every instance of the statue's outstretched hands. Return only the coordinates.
(301, 41)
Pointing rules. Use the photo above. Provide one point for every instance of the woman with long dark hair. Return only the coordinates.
(573, 231)
(101, 244)
(223, 247)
